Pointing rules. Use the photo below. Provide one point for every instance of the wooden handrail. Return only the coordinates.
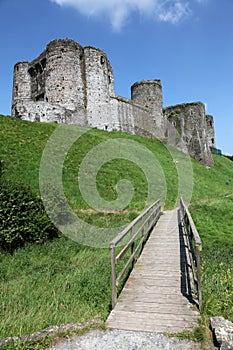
(146, 221)
(193, 234)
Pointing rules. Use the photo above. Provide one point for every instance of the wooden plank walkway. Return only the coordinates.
(156, 297)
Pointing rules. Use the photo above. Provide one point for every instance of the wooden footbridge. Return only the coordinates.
(158, 256)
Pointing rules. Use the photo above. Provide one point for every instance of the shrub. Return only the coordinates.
(22, 217)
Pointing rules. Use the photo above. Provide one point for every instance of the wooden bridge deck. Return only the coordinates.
(157, 296)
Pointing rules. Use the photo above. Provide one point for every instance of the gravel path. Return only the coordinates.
(124, 340)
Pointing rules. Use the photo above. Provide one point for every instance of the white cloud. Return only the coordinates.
(174, 13)
(118, 11)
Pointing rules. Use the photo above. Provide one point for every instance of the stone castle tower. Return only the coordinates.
(72, 84)
(66, 79)
(210, 131)
(190, 123)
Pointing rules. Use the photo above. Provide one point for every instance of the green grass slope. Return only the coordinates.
(62, 281)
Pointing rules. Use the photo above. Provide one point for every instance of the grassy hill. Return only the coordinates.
(62, 281)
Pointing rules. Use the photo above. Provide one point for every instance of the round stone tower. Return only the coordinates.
(99, 76)
(148, 93)
(21, 85)
(99, 87)
(65, 82)
(210, 131)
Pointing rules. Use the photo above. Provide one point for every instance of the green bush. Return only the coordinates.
(22, 217)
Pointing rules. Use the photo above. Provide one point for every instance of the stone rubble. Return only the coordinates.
(124, 340)
(223, 332)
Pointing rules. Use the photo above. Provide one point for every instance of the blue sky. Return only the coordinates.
(188, 44)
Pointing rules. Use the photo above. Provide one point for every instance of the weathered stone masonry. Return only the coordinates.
(190, 122)
(72, 84)
(210, 131)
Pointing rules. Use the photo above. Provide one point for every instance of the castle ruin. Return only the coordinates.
(72, 84)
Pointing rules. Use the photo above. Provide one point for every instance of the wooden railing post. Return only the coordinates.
(113, 266)
(198, 257)
(132, 247)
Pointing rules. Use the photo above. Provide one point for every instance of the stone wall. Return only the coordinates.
(37, 71)
(135, 119)
(41, 111)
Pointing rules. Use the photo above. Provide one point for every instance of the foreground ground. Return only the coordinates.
(124, 340)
